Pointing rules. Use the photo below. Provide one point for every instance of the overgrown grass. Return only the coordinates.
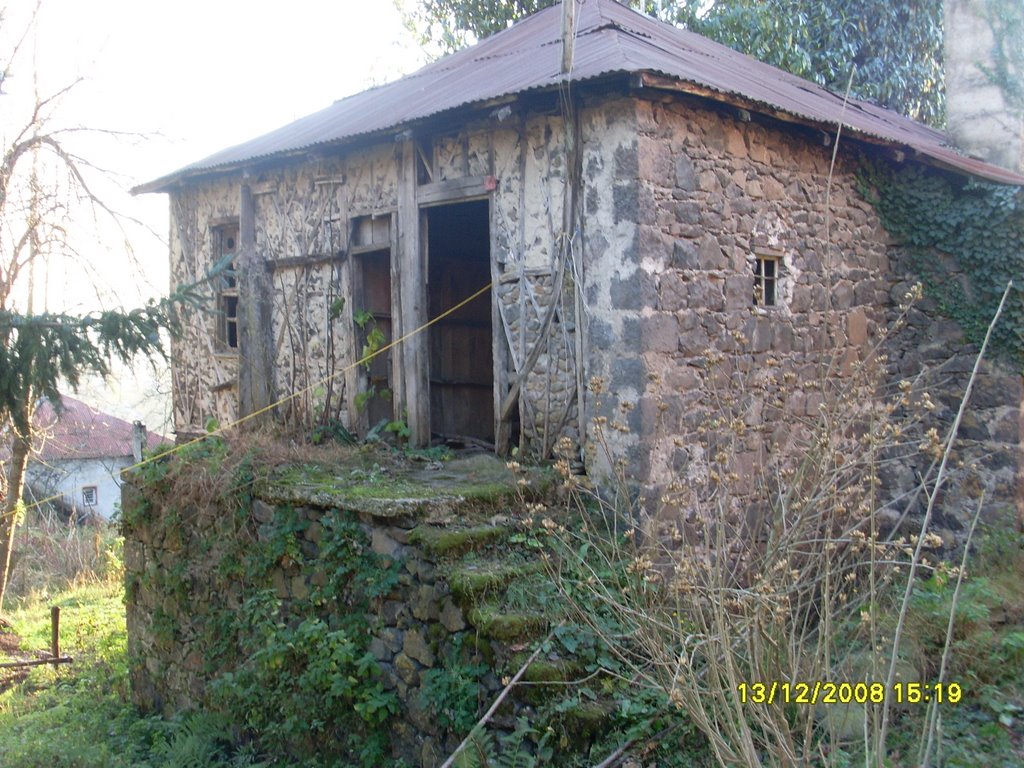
(78, 715)
(81, 716)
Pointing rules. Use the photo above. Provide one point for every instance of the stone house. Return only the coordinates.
(610, 204)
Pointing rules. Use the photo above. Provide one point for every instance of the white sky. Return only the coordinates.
(193, 77)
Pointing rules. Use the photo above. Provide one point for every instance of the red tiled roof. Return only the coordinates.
(82, 432)
(611, 40)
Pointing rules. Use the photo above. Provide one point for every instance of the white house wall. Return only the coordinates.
(69, 477)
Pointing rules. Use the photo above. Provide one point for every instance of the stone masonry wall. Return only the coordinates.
(709, 192)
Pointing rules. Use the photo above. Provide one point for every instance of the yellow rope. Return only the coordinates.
(298, 393)
(283, 400)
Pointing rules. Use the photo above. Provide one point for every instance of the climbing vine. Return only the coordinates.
(937, 217)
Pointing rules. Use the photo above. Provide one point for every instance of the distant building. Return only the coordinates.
(79, 454)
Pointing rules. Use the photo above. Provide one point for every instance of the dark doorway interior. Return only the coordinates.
(461, 367)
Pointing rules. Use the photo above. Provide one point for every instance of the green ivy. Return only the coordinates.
(979, 225)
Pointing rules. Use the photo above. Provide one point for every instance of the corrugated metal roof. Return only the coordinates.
(611, 39)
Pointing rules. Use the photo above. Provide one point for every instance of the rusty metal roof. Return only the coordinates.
(611, 39)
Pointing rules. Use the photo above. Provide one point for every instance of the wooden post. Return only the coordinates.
(568, 34)
(255, 338)
(412, 274)
(55, 635)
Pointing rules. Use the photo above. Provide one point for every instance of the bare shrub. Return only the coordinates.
(53, 552)
(744, 603)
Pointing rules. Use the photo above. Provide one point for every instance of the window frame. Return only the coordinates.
(224, 240)
(95, 492)
(766, 290)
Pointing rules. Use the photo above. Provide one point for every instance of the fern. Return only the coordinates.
(513, 754)
(196, 742)
(479, 751)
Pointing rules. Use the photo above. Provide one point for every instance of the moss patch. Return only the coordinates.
(474, 579)
(453, 542)
(507, 627)
(387, 487)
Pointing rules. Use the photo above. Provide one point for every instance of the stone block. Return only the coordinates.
(654, 245)
(625, 202)
(687, 213)
(654, 162)
(694, 342)
(423, 604)
(628, 373)
(416, 647)
(685, 255)
(314, 532)
(735, 144)
(711, 254)
(634, 292)
(773, 190)
(406, 669)
(660, 332)
(686, 177)
(857, 327)
(451, 617)
(739, 292)
(760, 333)
(262, 511)
(299, 588)
(383, 544)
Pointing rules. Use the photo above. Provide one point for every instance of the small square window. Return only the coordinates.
(766, 281)
(89, 496)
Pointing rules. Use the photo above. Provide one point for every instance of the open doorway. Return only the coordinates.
(461, 355)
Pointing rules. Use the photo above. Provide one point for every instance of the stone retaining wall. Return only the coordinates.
(444, 611)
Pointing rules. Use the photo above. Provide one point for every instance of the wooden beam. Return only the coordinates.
(455, 190)
(397, 352)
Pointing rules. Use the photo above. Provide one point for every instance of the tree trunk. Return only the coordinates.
(9, 517)
(979, 114)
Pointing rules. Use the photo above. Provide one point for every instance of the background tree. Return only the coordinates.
(45, 187)
(894, 49)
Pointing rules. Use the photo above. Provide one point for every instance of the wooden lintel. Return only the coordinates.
(453, 190)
